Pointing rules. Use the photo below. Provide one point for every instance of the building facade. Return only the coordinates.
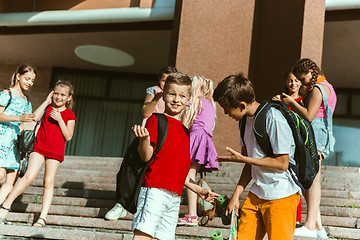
(111, 51)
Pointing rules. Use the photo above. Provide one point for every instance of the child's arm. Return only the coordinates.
(205, 194)
(9, 118)
(315, 100)
(145, 149)
(40, 110)
(244, 180)
(275, 162)
(66, 130)
(150, 104)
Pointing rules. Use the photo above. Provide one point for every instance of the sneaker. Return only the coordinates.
(304, 232)
(322, 234)
(188, 221)
(116, 212)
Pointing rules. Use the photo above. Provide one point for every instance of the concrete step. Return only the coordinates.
(84, 192)
(58, 232)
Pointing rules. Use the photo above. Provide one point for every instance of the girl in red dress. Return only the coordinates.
(56, 127)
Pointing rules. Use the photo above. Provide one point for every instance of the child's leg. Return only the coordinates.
(280, 217)
(51, 168)
(192, 197)
(313, 197)
(251, 224)
(167, 226)
(34, 165)
(153, 208)
(138, 235)
(2, 173)
(8, 185)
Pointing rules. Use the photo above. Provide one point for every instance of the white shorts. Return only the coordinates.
(157, 213)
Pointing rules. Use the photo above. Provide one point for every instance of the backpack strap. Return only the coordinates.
(10, 97)
(162, 132)
(329, 118)
(242, 124)
(262, 110)
(42, 117)
(259, 126)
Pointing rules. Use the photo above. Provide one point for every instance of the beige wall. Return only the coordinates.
(214, 40)
(259, 38)
(38, 91)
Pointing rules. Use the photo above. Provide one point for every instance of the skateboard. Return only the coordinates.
(217, 235)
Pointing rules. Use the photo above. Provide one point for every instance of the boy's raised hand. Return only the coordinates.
(233, 157)
(140, 131)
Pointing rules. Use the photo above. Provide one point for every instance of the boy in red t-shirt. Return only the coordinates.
(159, 198)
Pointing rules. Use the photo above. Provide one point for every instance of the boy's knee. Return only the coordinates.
(139, 235)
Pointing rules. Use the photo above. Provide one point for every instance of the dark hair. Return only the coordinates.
(62, 83)
(21, 70)
(303, 66)
(178, 78)
(166, 70)
(233, 90)
(286, 77)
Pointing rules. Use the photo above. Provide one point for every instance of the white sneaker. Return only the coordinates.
(116, 212)
(304, 232)
(322, 234)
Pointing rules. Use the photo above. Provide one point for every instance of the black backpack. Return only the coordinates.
(131, 174)
(306, 155)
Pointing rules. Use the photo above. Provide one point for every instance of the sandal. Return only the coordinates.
(3, 221)
(188, 221)
(40, 224)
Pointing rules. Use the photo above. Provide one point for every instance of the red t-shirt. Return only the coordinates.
(171, 165)
(49, 140)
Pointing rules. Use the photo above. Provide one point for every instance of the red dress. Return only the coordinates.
(49, 140)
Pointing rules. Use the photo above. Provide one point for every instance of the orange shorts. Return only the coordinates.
(277, 218)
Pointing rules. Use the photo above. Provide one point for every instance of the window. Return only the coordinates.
(107, 105)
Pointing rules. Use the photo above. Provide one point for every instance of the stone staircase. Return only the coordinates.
(84, 192)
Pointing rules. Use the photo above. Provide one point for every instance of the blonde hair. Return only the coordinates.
(200, 87)
(62, 83)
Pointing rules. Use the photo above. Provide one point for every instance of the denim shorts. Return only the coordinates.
(324, 139)
(157, 213)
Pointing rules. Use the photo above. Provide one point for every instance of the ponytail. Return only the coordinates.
(21, 70)
(303, 67)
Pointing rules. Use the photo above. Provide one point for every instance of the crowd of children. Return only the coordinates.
(272, 203)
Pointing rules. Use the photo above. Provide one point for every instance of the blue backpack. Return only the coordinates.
(305, 156)
(131, 174)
